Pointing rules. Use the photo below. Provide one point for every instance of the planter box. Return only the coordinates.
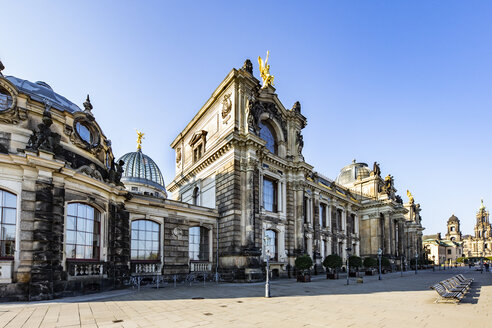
(305, 278)
(332, 276)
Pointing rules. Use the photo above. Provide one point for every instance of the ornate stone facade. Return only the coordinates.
(480, 244)
(253, 170)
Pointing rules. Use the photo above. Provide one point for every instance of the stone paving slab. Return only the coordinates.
(394, 301)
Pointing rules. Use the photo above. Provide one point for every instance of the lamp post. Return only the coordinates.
(348, 264)
(433, 263)
(267, 255)
(416, 261)
(380, 252)
(401, 264)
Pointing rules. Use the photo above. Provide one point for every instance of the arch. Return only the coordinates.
(196, 196)
(82, 231)
(145, 240)
(8, 223)
(276, 130)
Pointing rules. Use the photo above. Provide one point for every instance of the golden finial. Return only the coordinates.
(410, 197)
(265, 71)
(140, 136)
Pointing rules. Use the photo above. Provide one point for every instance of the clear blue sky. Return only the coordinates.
(404, 83)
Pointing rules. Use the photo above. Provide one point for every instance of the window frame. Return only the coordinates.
(274, 245)
(159, 255)
(274, 202)
(203, 248)
(99, 235)
(265, 124)
(2, 207)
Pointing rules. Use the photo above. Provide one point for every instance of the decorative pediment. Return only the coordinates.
(200, 135)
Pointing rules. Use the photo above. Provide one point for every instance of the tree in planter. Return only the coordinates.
(354, 262)
(333, 262)
(303, 264)
(370, 264)
(385, 263)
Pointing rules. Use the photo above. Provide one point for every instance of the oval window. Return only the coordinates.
(5, 99)
(84, 132)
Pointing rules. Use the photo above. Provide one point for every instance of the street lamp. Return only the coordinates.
(380, 252)
(416, 261)
(348, 264)
(267, 256)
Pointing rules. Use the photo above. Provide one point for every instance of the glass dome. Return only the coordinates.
(351, 172)
(140, 168)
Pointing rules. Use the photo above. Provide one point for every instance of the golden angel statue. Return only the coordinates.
(140, 136)
(265, 71)
(410, 197)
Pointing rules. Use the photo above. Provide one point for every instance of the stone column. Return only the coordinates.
(249, 206)
(344, 221)
(328, 215)
(299, 218)
(387, 234)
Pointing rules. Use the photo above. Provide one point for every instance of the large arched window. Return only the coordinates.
(83, 232)
(196, 196)
(271, 244)
(267, 134)
(8, 214)
(145, 240)
(199, 244)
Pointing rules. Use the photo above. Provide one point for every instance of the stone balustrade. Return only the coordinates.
(85, 269)
(200, 266)
(146, 268)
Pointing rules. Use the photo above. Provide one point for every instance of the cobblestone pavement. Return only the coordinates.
(394, 301)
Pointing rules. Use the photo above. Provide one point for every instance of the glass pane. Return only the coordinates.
(155, 236)
(72, 209)
(134, 235)
(8, 232)
(155, 247)
(79, 253)
(81, 210)
(70, 223)
(90, 213)
(148, 235)
(267, 135)
(97, 215)
(88, 252)
(134, 225)
(9, 247)
(80, 238)
(83, 132)
(89, 226)
(70, 251)
(8, 215)
(89, 238)
(9, 200)
(134, 254)
(71, 237)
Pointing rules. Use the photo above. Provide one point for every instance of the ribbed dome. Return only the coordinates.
(140, 168)
(453, 219)
(351, 172)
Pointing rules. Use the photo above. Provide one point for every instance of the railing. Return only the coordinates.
(146, 268)
(85, 269)
(200, 266)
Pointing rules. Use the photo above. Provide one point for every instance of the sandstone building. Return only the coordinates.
(445, 250)
(480, 243)
(74, 217)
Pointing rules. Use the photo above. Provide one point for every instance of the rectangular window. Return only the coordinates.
(269, 195)
(449, 252)
(322, 216)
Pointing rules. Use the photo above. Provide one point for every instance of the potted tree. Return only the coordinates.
(355, 263)
(303, 264)
(385, 264)
(332, 263)
(370, 264)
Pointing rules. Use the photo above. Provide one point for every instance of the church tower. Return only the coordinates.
(454, 232)
(482, 228)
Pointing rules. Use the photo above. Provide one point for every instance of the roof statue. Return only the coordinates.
(87, 105)
(140, 136)
(1, 68)
(410, 197)
(482, 206)
(265, 71)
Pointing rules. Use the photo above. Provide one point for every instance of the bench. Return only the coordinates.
(445, 296)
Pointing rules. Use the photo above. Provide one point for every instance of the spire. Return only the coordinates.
(140, 136)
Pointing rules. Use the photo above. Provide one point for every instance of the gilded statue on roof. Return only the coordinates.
(265, 71)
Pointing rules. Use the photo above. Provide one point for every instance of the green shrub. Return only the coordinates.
(303, 262)
(332, 261)
(385, 262)
(370, 262)
(355, 261)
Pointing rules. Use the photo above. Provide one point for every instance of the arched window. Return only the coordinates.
(83, 232)
(267, 134)
(199, 244)
(271, 244)
(196, 196)
(145, 240)
(8, 214)
(452, 228)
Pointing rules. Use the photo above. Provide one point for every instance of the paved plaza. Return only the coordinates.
(394, 301)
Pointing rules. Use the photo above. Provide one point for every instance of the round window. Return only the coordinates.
(84, 133)
(5, 99)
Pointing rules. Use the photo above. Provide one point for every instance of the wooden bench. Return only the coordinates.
(445, 296)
